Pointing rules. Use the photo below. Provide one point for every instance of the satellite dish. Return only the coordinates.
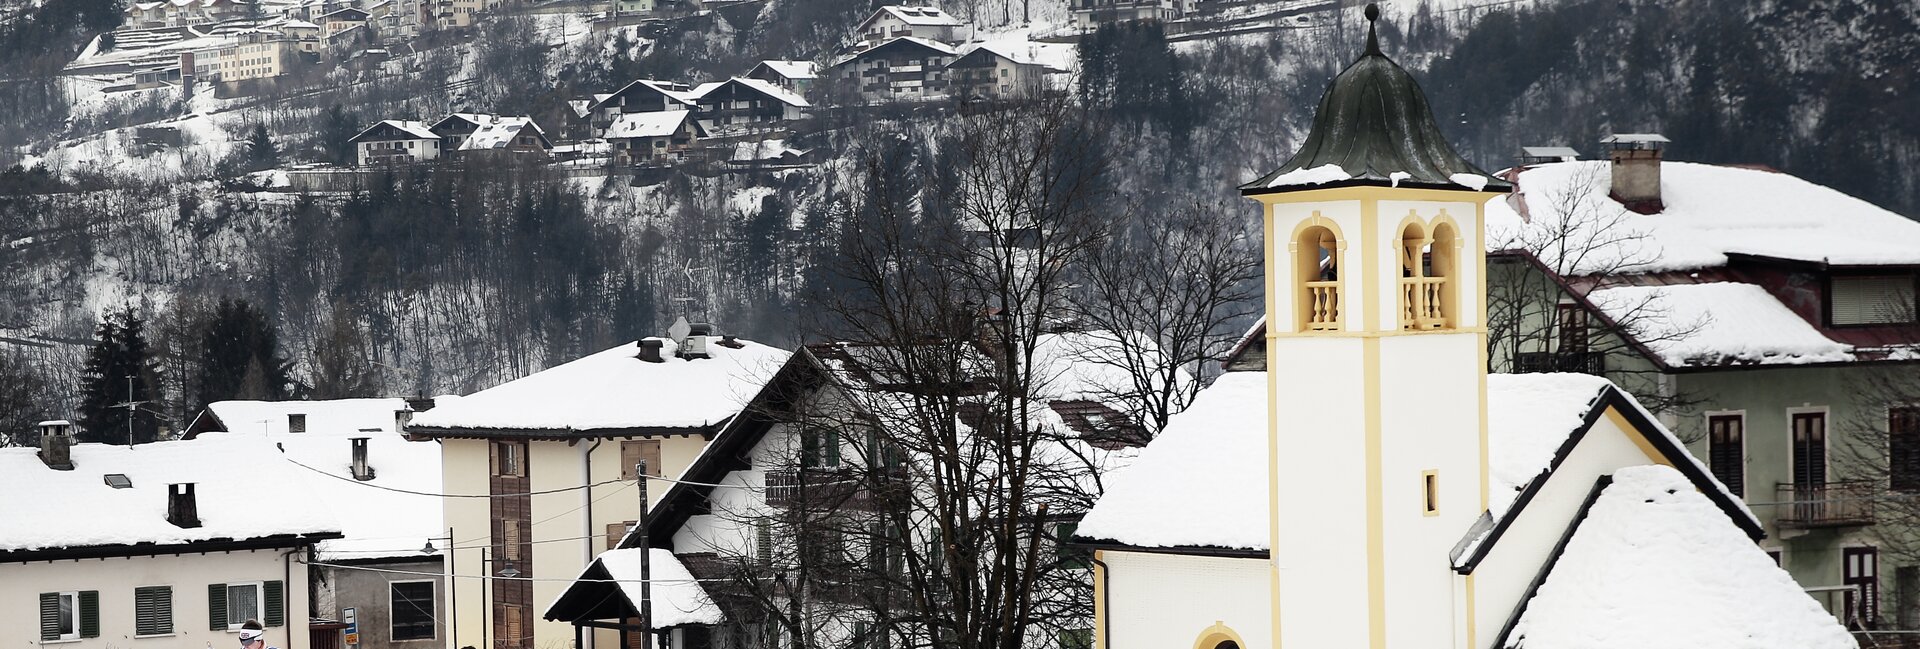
(678, 332)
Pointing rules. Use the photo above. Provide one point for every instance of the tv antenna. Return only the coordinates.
(131, 406)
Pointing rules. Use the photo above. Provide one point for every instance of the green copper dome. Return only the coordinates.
(1374, 126)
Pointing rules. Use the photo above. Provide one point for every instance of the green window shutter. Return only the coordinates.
(49, 616)
(153, 610)
(89, 614)
(809, 443)
(833, 448)
(217, 607)
(275, 604)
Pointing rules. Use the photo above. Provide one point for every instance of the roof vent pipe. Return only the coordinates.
(56, 444)
(650, 350)
(361, 471)
(182, 510)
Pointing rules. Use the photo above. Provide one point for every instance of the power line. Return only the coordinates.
(422, 573)
(602, 483)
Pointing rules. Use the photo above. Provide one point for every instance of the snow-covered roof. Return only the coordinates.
(376, 521)
(1053, 56)
(417, 130)
(937, 46)
(796, 70)
(1635, 138)
(659, 123)
(674, 91)
(1717, 323)
(242, 492)
(762, 86)
(614, 389)
(677, 597)
(1653, 565)
(1565, 154)
(920, 16)
(1710, 212)
(499, 132)
(1202, 482)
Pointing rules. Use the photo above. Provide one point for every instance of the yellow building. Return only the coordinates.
(1373, 486)
(541, 469)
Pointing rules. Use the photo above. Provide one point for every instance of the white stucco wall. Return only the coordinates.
(1168, 601)
(115, 578)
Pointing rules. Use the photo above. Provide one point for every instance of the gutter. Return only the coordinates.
(586, 467)
(1106, 602)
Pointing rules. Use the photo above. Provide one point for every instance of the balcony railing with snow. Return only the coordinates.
(1420, 303)
(1323, 305)
(1833, 504)
(834, 487)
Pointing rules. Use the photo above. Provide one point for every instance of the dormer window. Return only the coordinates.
(1871, 300)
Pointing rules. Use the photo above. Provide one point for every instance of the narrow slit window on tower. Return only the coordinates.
(1430, 493)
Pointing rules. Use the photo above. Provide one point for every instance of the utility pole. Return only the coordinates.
(646, 560)
(130, 405)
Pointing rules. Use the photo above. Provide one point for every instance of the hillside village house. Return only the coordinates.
(343, 19)
(639, 96)
(395, 141)
(744, 105)
(556, 451)
(796, 76)
(907, 68)
(467, 134)
(993, 71)
(895, 21)
(181, 13)
(816, 426)
(1373, 486)
(1765, 310)
(639, 138)
(1091, 14)
(348, 456)
(164, 544)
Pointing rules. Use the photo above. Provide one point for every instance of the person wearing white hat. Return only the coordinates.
(252, 636)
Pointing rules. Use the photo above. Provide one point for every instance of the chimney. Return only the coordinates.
(1636, 170)
(730, 342)
(361, 471)
(420, 404)
(650, 350)
(56, 444)
(695, 343)
(182, 511)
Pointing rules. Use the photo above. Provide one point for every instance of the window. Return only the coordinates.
(229, 605)
(1903, 448)
(632, 452)
(1809, 449)
(763, 543)
(819, 448)
(1067, 555)
(1076, 639)
(506, 459)
(410, 606)
(1860, 569)
(1871, 300)
(1726, 451)
(617, 531)
(243, 603)
(510, 540)
(1430, 493)
(70, 615)
(296, 423)
(1317, 267)
(153, 610)
(1573, 328)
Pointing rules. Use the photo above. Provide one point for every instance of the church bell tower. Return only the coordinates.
(1376, 332)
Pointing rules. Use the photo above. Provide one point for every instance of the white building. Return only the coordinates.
(1090, 14)
(350, 458)
(396, 141)
(170, 543)
(741, 104)
(1375, 487)
(556, 452)
(895, 21)
(636, 138)
(907, 68)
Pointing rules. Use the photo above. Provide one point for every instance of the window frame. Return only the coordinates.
(166, 623)
(1911, 414)
(1827, 301)
(433, 625)
(72, 616)
(1826, 442)
(1741, 415)
(259, 603)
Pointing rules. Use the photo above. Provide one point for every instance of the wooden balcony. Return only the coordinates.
(1420, 303)
(1834, 504)
(834, 488)
(1594, 363)
(1323, 306)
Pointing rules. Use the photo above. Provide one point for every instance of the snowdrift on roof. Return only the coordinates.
(678, 598)
(615, 389)
(1718, 323)
(1655, 565)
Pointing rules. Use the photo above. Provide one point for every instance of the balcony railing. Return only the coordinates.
(833, 488)
(1594, 363)
(1323, 306)
(1420, 304)
(1833, 504)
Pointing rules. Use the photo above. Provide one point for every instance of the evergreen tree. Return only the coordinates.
(337, 128)
(240, 356)
(261, 151)
(120, 353)
(342, 364)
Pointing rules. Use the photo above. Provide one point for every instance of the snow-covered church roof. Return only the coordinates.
(1650, 564)
(614, 390)
(1202, 482)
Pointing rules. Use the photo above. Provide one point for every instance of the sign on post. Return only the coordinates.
(352, 632)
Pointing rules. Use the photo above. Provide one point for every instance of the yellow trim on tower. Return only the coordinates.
(1212, 636)
(1376, 542)
(1273, 440)
(1370, 264)
(1473, 627)
(1100, 611)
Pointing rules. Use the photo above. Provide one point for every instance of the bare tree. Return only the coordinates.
(1548, 308)
(1180, 281)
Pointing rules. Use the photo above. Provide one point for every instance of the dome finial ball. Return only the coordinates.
(1373, 12)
